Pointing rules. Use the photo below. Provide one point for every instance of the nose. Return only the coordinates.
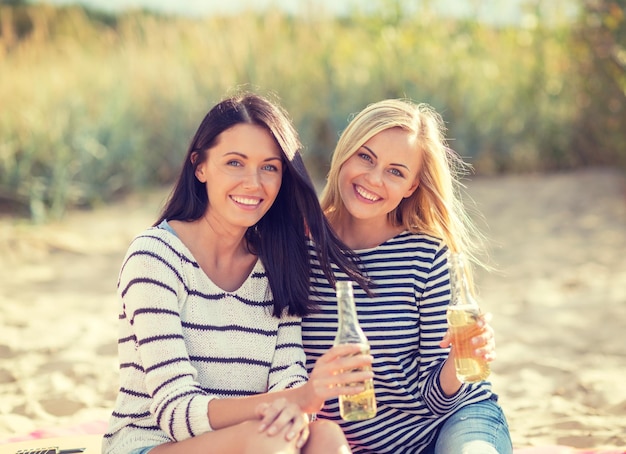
(375, 177)
(251, 180)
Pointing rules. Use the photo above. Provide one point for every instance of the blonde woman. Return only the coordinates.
(392, 197)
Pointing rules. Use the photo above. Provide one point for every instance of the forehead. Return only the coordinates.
(248, 139)
(396, 145)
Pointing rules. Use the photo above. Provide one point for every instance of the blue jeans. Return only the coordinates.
(479, 428)
(143, 450)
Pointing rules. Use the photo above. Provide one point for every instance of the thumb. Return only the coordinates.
(260, 409)
(445, 342)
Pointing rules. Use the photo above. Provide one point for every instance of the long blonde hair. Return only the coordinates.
(435, 207)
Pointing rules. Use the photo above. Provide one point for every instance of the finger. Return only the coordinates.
(340, 351)
(343, 383)
(327, 372)
(485, 319)
(303, 437)
(299, 425)
(486, 354)
(269, 412)
(287, 418)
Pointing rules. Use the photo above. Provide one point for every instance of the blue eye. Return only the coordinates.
(396, 172)
(365, 157)
(234, 163)
(271, 168)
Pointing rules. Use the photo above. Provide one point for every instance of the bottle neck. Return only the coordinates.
(460, 292)
(349, 330)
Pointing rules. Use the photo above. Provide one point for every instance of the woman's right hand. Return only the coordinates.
(341, 370)
(282, 414)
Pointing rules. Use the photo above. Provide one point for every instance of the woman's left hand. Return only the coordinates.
(281, 415)
(484, 342)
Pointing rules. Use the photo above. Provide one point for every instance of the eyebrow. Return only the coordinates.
(243, 155)
(376, 156)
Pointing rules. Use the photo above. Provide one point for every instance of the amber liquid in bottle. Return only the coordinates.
(362, 405)
(463, 313)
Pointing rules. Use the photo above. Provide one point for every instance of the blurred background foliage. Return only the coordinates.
(96, 105)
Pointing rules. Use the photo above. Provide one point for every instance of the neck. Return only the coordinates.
(220, 240)
(365, 234)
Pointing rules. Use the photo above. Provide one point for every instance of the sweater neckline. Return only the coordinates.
(258, 267)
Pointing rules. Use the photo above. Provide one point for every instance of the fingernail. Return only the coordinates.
(262, 427)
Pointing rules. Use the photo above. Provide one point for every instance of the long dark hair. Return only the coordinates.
(279, 239)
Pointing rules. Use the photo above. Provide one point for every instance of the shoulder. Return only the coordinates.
(157, 244)
(419, 239)
(156, 238)
(409, 245)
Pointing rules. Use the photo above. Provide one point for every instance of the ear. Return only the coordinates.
(200, 168)
(412, 189)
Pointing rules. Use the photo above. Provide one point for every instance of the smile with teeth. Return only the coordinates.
(248, 201)
(366, 194)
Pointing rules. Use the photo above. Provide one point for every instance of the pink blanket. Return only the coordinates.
(99, 427)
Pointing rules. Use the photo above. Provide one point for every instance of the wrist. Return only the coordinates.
(307, 399)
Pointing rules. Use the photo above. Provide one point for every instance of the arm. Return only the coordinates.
(152, 286)
(438, 384)
(332, 375)
(156, 360)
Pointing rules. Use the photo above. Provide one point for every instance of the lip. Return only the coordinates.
(365, 195)
(249, 203)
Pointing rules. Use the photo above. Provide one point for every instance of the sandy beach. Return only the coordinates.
(558, 296)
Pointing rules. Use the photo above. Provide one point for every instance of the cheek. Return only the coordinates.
(272, 183)
(345, 175)
(344, 182)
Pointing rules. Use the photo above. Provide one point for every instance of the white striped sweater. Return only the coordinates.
(404, 324)
(184, 341)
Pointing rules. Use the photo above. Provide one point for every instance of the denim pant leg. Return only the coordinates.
(142, 450)
(479, 428)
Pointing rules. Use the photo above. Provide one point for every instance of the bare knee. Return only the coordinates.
(261, 443)
(243, 438)
(326, 437)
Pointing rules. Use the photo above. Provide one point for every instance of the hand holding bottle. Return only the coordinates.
(484, 341)
(336, 372)
(466, 325)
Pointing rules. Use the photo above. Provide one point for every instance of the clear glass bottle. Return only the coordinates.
(463, 314)
(363, 405)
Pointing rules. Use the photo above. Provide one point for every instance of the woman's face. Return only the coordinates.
(242, 173)
(375, 179)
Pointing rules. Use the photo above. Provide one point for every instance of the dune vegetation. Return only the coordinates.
(96, 105)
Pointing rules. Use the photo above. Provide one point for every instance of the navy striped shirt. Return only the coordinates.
(404, 324)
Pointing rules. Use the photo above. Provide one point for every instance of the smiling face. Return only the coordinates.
(383, 171)
(243, 174)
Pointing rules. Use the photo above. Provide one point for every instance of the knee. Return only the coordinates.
(261, 443)
(326, 437)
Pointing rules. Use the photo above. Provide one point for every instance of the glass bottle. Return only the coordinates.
(363, 405)
(463, 313)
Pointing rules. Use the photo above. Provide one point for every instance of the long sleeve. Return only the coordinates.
(404, 322)
(433, 301)
(151, 288)
(184, 341)
(288, 366)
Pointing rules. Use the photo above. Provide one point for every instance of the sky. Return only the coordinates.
(492, 11)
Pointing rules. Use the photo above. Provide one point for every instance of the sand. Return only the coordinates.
(558, 297)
